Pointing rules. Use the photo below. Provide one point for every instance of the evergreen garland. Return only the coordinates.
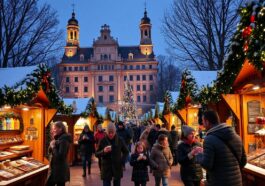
(168, 101)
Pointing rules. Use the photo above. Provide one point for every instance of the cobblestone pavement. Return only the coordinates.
(94, 178)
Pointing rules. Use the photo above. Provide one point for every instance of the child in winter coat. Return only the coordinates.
(139, 161)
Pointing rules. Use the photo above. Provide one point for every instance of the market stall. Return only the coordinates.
(28, 102)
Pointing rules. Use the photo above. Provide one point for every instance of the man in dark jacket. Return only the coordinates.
(112, 150)
(223, 152)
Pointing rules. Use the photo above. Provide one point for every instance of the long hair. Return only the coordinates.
(139, 143)
(60, 125)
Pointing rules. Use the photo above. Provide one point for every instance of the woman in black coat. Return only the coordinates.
(86, 142)
(140, 161)
(190, 171)
(58, 149)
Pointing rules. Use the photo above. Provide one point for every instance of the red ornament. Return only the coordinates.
(246, 31)
(188, 99)
(252, 19)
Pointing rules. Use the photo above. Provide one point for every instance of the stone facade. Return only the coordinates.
(101, 70)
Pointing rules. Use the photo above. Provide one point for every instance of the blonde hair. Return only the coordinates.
(139, 143)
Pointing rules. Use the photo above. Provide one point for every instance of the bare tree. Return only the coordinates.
(28, 33)
(199, 30)
(169, 76)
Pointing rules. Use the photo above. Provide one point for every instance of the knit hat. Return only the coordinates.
(111, 127)
(99, 126)
(186, 130)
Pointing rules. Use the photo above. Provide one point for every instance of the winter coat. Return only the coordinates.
(86, 145)
(143, 138)
(59, 169)
(161, 160)
(111, 163)
(125, 135)
(174, 140)
(189, 169)
(140, 170)
(221, 165)
(152, 136)
(99, 135)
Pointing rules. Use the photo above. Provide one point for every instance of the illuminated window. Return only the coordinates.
(81, 57)
(130, 56)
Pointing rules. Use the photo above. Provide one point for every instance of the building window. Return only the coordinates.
(137, 67)
(100, 88)
(98, 67)
(144, 77)
(76, 89)
(131, 77)
(67, 80)
(80, 68)
(144, 98)
(76, 68)
(151, 87)
(111, 88)
(130, 56)
(143, 66)
(144, 87)
(67, 89)
(64, 69)
(138, 77)
(112, 67)
(124, 78)
(131, 67)
(85, 79)
(86, 68)
(70, 68)
(100, 99)
(125, 67)
(76, 79)
(100, 78)
(85, 89)
(139, 99)
(82, 57)
(150, 67)
(150, 77)
(111, 78)
(138, 88)
(111, 98)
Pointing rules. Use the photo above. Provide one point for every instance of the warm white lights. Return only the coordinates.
(25, 109)
(256, 87)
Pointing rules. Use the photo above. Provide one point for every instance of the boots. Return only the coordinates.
(89, 168)
(84, 172)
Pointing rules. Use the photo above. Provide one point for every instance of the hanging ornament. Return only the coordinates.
(252, 18)
(245, 47)
(246, 32)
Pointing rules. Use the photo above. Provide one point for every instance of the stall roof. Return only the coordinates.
(153, 112)
(11, 76)
(79, 104)
(102, 111)
(160, 106)
(204, 78)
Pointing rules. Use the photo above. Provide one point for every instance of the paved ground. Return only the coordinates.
(94, 178)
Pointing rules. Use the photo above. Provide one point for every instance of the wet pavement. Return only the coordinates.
(94, 178)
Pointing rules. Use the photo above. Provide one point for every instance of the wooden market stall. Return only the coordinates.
(83, 114)
(25, 111)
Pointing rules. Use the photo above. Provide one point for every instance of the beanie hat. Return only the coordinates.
(111, 127)
(186, 130)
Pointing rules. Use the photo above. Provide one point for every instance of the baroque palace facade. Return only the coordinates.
(100, 71)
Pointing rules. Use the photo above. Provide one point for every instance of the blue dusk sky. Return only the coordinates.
(123, 17)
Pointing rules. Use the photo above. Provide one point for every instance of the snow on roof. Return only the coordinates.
(113, 115)
(204, 78)
(80, 104)
(174, 95)
(11, 76)
(153, 112)
(102, 111)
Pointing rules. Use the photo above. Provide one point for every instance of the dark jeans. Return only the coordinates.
(115, 182)
(86, 158)
(50, 182)
(164, 181)
(191, 183)
(139, 183)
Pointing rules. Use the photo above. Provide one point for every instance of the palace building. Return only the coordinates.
(101, 70)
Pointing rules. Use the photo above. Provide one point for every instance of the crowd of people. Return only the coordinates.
(156, 150)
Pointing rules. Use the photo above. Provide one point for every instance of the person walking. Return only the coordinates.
(223, 154)
(174, 144)
(112, 151)
(99, 135)
(140, 161)
(161, 160)
(86, 142)
(58, 149)
(190, 171)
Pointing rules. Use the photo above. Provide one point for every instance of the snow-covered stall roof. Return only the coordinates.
(204, 78)
(113, 115)
(11, 76)
(102, 111)
(153, 112)
(78, 104)
(160, 106)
